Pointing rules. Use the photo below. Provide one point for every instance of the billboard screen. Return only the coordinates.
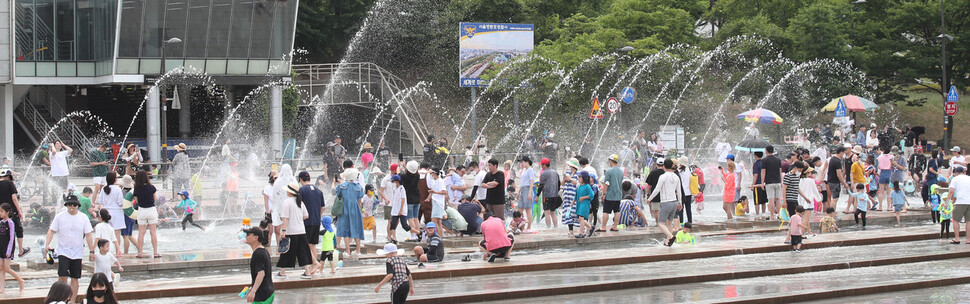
(489, 46)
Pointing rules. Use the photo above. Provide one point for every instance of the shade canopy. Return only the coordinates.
(852, 104)
(762, 116)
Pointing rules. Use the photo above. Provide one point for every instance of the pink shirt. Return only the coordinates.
(729, 186)
(366, 158)
(795, 226)
(885, 161)
(493, 230)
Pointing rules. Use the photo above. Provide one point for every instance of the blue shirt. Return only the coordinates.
(860, 138)
(756, 170)
(528, 176)
(862, 200)
(188, 204)
(898, 197)
(312, 197)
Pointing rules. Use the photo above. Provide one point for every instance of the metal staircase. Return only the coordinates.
(39, 113)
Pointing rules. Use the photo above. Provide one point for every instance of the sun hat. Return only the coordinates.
(368, 146)
(376, 170)
(327, 223)
(573, 162)
(857, 149)
(350, 174)
(127, 182)
(660, 161)
(682, 160)
(72, 187)
(180, 147)
(184, 193)
(293, 188)
(246, 221)
(388, 249)
(70, 199)
(412, 167)
(5, 172)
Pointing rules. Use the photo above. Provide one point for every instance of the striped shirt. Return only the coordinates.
(791, 183)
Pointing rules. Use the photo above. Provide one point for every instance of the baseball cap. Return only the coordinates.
(960, 170)
(5, 172)
(393, 168)
(304, 175)
(544, 161)
(660, 162)
(730, 156)
(395, 177)
(615, 158)
(955, 149)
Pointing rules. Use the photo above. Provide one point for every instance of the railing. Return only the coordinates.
(42, 125)
(74, 132)
(34, 119)
(42, 31)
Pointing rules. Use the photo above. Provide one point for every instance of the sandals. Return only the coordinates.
(26, 251)
(670, 242)
(954, 242)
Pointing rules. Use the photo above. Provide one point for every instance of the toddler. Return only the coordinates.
(683, 235)
(946, 209)
(741, 206)
(103, 260)
(827, 223)
(327, 245)
(862, 203)
(899, 201)
(518, 222)
(934, 202)
(795, 227)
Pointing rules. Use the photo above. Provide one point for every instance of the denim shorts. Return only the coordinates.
(414, 211)
(884, 176)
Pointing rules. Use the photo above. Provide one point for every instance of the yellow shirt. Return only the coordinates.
(858, 173)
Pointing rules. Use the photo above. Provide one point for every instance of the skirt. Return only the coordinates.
(117, 219)
(524, 201)
(569, 211)
(299, 252)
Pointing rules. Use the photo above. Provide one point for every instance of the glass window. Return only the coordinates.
(215, 66)
(263, 13)
(218, 40)
(25, 32)
(237, 67)
(197, 25)
(96, 32)
(44, 31)
(239, 38)
(258, 67)
(175, 14)
(26, 69)
(83, 69)
(45, 69)
(151, 32)
(130, 36)
(64, 32)
(127, 66)
(283, 22)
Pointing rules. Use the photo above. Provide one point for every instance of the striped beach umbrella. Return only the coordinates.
(763, 116)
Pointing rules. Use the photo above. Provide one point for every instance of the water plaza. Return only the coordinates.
(212, 98)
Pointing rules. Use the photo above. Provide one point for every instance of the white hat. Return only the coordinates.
(412, 166)
(350, 174)
(388, 248)
(376, 170)
(660, 162)
(71, 187)
(955, 149)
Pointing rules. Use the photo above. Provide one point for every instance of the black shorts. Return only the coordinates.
(299, 253)
(835, 189)
(312, 234)
(18, 228)
(791, 205)
(404, 222)
(551, 203)
(503, 250)
(825, 196)
(611, 207)
(796, 239)
(68, 267)
(326, 256)
(760, 196)
(431, 257)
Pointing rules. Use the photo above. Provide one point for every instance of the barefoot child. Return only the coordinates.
(827, 223)
(946, 209)
(368, 207)
(862, 203)
(7, 238)
(741, 206)
(683, 235)
(190, 207)
(326, 245)
(518, 222)
(899, 201)
(584, 195)
(103, 260)
(795, 227)
(398, 275)
(105, 231)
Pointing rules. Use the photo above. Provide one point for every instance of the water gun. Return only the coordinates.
(242, 294)
(783, 215)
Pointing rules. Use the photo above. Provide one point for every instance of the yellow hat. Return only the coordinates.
(246, 221)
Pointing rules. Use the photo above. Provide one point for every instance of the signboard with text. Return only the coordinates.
(485, 47)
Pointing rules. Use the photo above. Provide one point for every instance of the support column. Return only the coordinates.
(6, 121)
(185, 113)
(474, 120)
(276, 119)
(152, 116)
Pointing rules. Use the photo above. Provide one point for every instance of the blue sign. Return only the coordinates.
(840, 110)
(628, 95)
(952, 96)
(485, 47)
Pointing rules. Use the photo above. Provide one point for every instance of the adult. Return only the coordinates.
(494, 185)
(442, 154)
(549, 189)
(312, 198)
(723, 149)
(429, 153)
(932, 174)
(145, 197)
(338, 148)
(469, 179)
(260, 266)
(917, 165)
(98, 159)
(872, 140)
(911, 140)
(957, 160)
(293, 212)
(382, 157)
(612, 186)
(655, 146)
(72, 229)
(410, 180)
(857, 173)
(133, 159)
(424, 193)
(669, 190)
(112, 199)
(960, 200)
(472, 212)
(270, 206)
(686, 198)
(526, 197)
(836, 178)
(640, 148)
(884, 163)
(550, 149)
(331, 163)
(759, 195)
(652, 178)
(181, 171)
(496, 241)
(860, 137)
(59, 170)
(435, 249)
(366, 157)
(569, 195)
(350, 224)
(9, 195)
(771, 173)
(100, 290)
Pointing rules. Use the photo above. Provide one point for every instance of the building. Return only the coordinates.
(65, 55)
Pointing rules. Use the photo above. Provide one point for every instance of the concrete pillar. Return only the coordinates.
(6, 121)
(276, 119)
(153, 115)
(185, 113)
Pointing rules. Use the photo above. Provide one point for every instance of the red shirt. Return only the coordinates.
(700, 176)
(493, 230)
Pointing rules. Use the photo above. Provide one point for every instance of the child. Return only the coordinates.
(808, 195)
(584, 195)
(683, 235)
(399, 210)
(7, 238)
(190, 207)
(368, 208)
(828, 222)
(398, 274)
(105, 231)
(438, 196)
(934, 201)
(898, 198)
(103, 260)
(518, 222)
(946, 209)
(326, 245)
(741, 206)
(795, 227)
(862, 203)
(729, 186)
(241, 234)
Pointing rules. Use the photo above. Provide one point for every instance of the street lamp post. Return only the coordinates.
(164, 101)
(944, 84)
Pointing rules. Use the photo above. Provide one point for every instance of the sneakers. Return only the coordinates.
(797, 250)
(306, 276)
(491, 257)
(420, 265)
(580, 236)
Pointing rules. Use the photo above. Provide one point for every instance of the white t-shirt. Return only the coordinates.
(70, 230)
(469, 180)
(398, 201)
(107, 232)
(268, 192)
(723, 149)
(296, 214)
(111, 201)
(102, 264)
(954, 159)
(437, 185)
(387, 187)
(59, 164)
(480, 195)
(960, 185)
(807, 186)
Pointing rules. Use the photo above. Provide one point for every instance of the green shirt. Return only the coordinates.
(96, 157)
(327, 243)
(614, 176)
(85, 205)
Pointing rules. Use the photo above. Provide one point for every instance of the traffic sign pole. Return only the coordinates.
(950, 109)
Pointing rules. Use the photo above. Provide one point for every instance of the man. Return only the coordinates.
(383, 156)
(312, 198)
(860, 137)
(550, 149)
(612, 181)
(339, 149)
(911, 141)
(442, 154)
(472, 211)
(456, 186)
(430, 155)
(652, 180)
(424, 192)
(98, 159)
(478, 193)
(960, 199)
(760, 195)
(549, 189)
(72, 229)
(180, 170)
(469, 179)
(8, 194)
(410, 181)
(59, 170)
(957, 160)
(496, 241)
(771, 172)
(836, 177)
(331, 163)
(917, 165)
(723, 149)
(669, 190)
(434, 251)
(494, 185)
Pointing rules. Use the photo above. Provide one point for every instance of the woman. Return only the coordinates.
(145, 197)
(350, 224)
(111, 199)
(60, 293)
(261, 289)
(269, 207)
(568, 195)
(655, 146)
(292, 213)
(727, 174)
(181, 172)
(133, 159)
(100, 290)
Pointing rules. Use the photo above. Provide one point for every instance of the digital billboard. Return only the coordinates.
(490, 46)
